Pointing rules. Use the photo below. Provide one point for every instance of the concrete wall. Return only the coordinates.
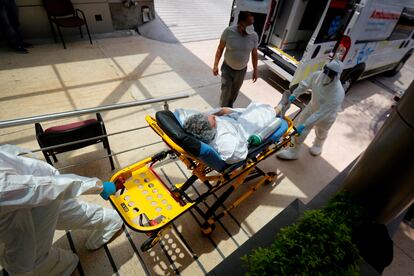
(129, 18)
(114, 16)
(35, 24)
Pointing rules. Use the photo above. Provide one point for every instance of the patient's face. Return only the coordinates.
(212, 120)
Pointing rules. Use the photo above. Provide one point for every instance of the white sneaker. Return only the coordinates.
(288, 154)
(315, 150)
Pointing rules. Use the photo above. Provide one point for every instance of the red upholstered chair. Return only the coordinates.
(70, 133)
(63, 14)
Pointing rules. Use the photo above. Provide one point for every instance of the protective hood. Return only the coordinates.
(336, 66)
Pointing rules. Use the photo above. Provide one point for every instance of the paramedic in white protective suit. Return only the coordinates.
(327, 97)
(34, 201)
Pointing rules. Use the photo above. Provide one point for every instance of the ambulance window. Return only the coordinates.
(254, 3)
(257, 1)
(312, 14)
(335, 21)
(405, 25)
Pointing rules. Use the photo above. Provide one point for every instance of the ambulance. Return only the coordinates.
(297, 37)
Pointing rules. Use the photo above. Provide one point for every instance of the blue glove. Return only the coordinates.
(300, 129)
(292, 98)
(108, 189)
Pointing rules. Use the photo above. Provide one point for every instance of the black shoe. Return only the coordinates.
(20, 49)
(26, 45)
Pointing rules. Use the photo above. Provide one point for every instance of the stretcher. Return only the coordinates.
(148, 205)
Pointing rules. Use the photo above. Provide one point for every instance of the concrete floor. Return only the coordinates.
(194, 20)
(403, 262)
(117, 70)
(179, 21)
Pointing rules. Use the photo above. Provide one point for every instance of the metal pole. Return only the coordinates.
(108, 155)
(83, 140)
(55, 116)
(382, 179)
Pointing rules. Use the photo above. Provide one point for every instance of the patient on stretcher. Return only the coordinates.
(227, 130)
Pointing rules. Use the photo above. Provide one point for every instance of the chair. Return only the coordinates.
(71, 133)
(63, 14)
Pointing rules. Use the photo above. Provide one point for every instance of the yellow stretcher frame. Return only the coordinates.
(147, 205)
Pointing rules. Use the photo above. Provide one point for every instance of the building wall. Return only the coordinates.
(103, 16)
(35, 23)
(129, 18)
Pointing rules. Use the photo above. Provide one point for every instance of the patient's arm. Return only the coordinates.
(305, 84)
(223, 111)
(227, 110)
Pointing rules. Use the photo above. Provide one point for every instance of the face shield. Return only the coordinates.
(328, 75)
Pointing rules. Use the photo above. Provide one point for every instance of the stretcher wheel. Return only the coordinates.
(207, 229)
(149, 243)
(270, 176)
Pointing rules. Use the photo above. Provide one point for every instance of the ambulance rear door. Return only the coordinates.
(327, 35)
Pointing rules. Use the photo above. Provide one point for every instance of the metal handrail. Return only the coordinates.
(83, 140)
(108, 155)
(55, 116)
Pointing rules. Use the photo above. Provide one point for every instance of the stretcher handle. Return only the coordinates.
(300, 105)
(295, 131)
(161, 155)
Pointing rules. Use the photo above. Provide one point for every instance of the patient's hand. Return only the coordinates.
(224, 111)
(278, 110)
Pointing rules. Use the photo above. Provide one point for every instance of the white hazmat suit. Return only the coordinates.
(321, 112)
(34, 201)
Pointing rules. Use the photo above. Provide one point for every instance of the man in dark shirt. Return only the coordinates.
(10, 26)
